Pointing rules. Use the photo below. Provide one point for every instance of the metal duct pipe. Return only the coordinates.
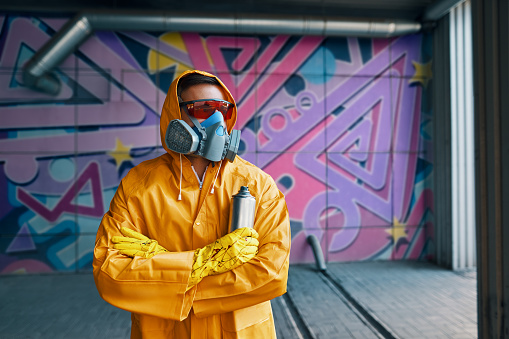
(36, 73)
(317, 252)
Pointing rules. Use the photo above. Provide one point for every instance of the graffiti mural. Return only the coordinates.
(343, 125)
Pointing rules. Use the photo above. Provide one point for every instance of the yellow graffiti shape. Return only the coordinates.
(121, 153)
(423, 73)
(397, 232)
(157, 62)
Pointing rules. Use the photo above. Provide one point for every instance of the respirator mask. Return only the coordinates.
(208, 139)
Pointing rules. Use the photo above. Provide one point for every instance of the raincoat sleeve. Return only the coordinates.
(155, 286)
(262, 278)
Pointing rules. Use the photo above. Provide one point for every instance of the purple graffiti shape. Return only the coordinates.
(22, 242)
(247, 50)
(347, 233)
(346, 236)
(356, 143)
(20, 168)
(375, 176)
(91, 173)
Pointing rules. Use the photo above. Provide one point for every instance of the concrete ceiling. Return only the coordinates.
(376, 9)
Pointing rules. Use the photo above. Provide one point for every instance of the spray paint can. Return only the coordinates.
(242, 209)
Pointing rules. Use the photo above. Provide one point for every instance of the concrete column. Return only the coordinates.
(491, 96)
(462, 138)
(442, 142)
(454, 140)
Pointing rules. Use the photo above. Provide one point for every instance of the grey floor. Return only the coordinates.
(354, 300)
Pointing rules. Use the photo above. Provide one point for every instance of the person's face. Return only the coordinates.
(201, 91)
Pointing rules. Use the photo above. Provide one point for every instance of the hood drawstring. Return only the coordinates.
(180, 183)
(214, 183)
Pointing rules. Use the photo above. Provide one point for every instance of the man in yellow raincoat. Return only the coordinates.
(157, 246)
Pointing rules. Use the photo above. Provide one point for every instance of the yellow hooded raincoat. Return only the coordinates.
(234, 304)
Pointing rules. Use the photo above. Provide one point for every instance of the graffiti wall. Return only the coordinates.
(343, 125)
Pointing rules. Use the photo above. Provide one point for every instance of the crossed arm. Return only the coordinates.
(223, 255)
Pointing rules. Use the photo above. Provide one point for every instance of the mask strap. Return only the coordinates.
(196, 122)
(214, 183)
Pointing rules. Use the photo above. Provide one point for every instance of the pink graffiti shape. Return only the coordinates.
(199, 59)
(27, 266)
(65, 204)
(247, 47)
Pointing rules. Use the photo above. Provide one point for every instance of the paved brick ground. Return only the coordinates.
(412, 300)
(58, 306)
(322, 310)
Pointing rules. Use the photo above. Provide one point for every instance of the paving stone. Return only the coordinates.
(320, 307)
(437, 302)
(58, 306)
(285, 329)
(412, 299)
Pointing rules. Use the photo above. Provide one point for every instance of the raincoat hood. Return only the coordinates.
(171, 109)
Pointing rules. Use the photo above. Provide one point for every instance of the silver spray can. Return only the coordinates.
(242, 209)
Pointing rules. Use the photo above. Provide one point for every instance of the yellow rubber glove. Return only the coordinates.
(135, 244)
(225, 254)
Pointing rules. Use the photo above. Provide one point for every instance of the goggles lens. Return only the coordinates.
(204, 108)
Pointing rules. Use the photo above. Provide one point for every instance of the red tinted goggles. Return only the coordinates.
(204, 108)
